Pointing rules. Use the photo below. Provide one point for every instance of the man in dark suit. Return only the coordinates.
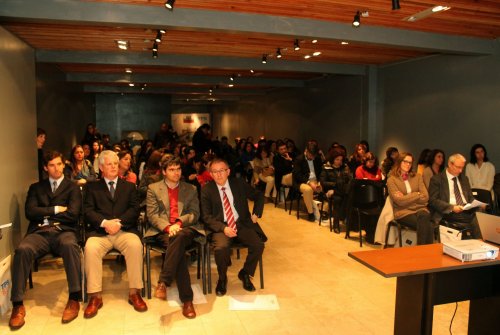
(306, 171)
(173, 210)
(449, 192)
(224, 208)
(52, 207)
(111, 212)
(283, 166)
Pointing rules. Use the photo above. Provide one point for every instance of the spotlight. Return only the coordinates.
(296, 45)
(357, 19)
(395, 5)
(278, 53)
(163, 31)
(232, 77)
(264, 59)
(169, 4)
(155, 54)
(155, 46)
(158, 37)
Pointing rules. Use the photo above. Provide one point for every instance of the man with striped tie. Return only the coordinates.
(224, 208)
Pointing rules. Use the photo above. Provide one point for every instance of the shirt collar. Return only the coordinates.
(172, 188)
(226, 185)
(108, 180)
(56, 180)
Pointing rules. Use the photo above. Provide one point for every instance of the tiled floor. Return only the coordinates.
(320, 290)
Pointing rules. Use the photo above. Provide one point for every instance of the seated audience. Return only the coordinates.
(369, 168)
(391, 156)
(449, 192)
(173, 210)
(335, 178)
(94, 156)
(91, 135)
(409, 198)
(124, 167)
(151, 174)
(356, 158)
(41, 136)
(293, 151)
(480, 171)
(79, 169)
(306, 171)
(283, 166)
(423, 161)
(263, 170)
(52, 208)
(111, 211)
(434, 165)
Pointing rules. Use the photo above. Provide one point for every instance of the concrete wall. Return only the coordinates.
(118, 114)
(18, 115)
(446, 102)
(63, 109)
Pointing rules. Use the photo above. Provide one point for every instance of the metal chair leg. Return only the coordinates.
(148, 269)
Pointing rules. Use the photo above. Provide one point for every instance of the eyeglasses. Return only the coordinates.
(407, 162)
(219, 171)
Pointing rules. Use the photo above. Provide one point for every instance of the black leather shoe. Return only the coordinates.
(245, 278)
(221, 288)
(311, 217)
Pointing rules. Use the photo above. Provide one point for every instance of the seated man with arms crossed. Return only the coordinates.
(449, 192)
(52, 206)
(173, 210)
(111, 212)
(224, 208)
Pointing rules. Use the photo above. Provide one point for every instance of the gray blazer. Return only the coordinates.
(439, 194)
(158, 208)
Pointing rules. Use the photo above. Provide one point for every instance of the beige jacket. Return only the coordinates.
(408, 203)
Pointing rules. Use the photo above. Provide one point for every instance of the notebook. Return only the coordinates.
(490, 227)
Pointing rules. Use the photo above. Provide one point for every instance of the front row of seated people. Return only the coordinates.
(111, 210)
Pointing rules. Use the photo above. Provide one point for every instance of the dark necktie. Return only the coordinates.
(458, 196)
(112, 188)
(228, 211)
(54, 186)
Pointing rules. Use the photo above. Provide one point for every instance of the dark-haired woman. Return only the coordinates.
(391, 155)
(124, 165)
(356, 159)
(409, 198)
(480, 171)
(423, 159)
(79, 169)
(435, 165)
(369, 168)
(335, 178)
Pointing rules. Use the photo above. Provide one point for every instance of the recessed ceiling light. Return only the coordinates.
(122, 44)
(314, 41)
(317, 53)
(230, 85)
(252, 71)
(128, 70)
(439, 8)
(307, 56)
(131, 84)
(344, 43)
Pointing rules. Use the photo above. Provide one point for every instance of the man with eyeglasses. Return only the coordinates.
(224, 208)
(173, 210)
(449, 192)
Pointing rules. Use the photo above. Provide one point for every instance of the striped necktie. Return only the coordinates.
(456, 190)
(228, 211)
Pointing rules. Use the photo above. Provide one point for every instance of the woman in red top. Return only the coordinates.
(369, 169)
(124, 165)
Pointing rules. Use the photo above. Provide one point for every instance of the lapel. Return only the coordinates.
(216, 196)
(47, 188)
(163, 190)
(182, 196)
(446, 188)
(105, 189)
(236, 194)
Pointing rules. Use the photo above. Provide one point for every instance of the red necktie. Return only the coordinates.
(228, 211)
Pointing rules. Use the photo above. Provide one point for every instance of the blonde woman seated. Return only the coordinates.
(263, 170)
(410, 197)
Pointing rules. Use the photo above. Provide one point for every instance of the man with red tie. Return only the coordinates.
(224, 207)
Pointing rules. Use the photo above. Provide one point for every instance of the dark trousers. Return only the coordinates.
(421, 222)
(38, 244)
(175, 265)
(249, 238)
(465, 221)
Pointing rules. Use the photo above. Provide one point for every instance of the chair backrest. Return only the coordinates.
(482, 195)
(367, 194)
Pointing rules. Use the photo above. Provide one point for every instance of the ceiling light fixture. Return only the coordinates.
(128, 70)
(296, 45)
(230, 85)
(307, 56)
(264, 59)
(155, 54)
(344, 43)
(314, 41)
(316, 53)
(131, 84)
(357, 20)
(252, 71)
(232, 77)
(395, 5)
(122, 44)
(440, 8)
(169, 4)
(163, 31)
(158, 37)
(278, 53)
(155, 46)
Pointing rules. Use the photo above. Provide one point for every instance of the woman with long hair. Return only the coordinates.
(409, 198)
(480, 171)
(356, 158)
(124, 167)
(369, 168)
(79, 169)
(263, 170)
(434, 165)
(391, 155)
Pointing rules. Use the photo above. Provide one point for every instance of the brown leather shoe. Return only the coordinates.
(188, 310)
(161, 291)
(71, 311)
(17, 317)
(136, 301)
(94, 305)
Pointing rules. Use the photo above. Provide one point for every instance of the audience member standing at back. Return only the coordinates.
(90, 135)
(480, 171)
(201, 139)
(306, 172)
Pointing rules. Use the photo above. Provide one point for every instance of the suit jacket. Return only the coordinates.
(40, 203)
(301, 170)
(439, 194)
(409, 203)
(158, 207)
(281, 167)
(99, 206)
(212, 210)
